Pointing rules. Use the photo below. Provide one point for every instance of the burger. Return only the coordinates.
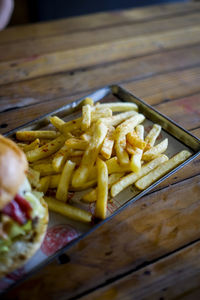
(23, 212)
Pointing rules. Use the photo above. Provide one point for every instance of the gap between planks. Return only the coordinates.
(145, 269)
(29, 50)
(103, 53)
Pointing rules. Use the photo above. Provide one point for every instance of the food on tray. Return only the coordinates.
(69, 211)
(162, 169)
(104, 150)
(23, 212)
(102, 189)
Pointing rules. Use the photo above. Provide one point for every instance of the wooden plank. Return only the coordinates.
(155, 89)
(173, 277)
(32, 48)
(97, 54)
(93, 21)
(59, 85)
(166, 86)
(185, 111)
(146, 230)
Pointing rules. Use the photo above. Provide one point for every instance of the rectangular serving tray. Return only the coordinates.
(179, 139)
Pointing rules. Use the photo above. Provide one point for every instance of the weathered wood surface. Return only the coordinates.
(154, 53)
(148, 229)
(32, 48)
(94, 21)
(181, 279)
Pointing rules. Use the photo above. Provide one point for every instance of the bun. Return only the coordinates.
(13, 168)
(25, 246)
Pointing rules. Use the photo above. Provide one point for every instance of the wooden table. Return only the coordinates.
(151, 250)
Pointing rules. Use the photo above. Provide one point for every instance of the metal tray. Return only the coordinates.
(179, 139)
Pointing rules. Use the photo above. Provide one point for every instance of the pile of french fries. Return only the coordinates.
(104, 150)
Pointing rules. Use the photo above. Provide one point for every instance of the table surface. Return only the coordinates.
(151, 250)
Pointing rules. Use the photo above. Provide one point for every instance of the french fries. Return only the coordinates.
(90, 155)
(162, 169)
(32, 135)
(155, 151)
(65, 180)
(57, 122)
(44, 169)
(116, 107)
(69, 211)
(86, 117)
(45, 150)
(152, 135)
(44, 184)
(103, 150)
(33, 177)
(137, 155)
(102, 189)
(133, 177)
(107, 147)
(60, 158)
(135, 140)
(114, 166)
(75, 143)
(35, 144)
(117, 119)
(120, 136)
(92, 195)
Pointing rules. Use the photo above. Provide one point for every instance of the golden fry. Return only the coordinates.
(119, 106)
(86, 117)
(75, 143)
(102, 189)
(133, 177)
(34, 145)
(44, 184)
(135, 140)
(130, 149)
(107, 147)
(90, 155)
(45, 169)
(45, 150)
(65, 180)
(114, 166)
(32, 135)
(92, 195)
(120, 136)
(117, 119)
(162, 169)
(57, 122)
(33, 177)
(137, 156)
(152, 135)
(69, 211)
(60, 158)
(155, 151)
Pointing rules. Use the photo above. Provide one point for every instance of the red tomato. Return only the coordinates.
(57, 237)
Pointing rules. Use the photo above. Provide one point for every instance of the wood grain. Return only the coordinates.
(19, 94)
(32, 48)
(94, 21)
(181, 279)
(97, 54)
(147, 229)
(153, 90)
(153, 52)
(166, 86)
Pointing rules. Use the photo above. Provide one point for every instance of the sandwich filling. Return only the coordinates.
(20, 216)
